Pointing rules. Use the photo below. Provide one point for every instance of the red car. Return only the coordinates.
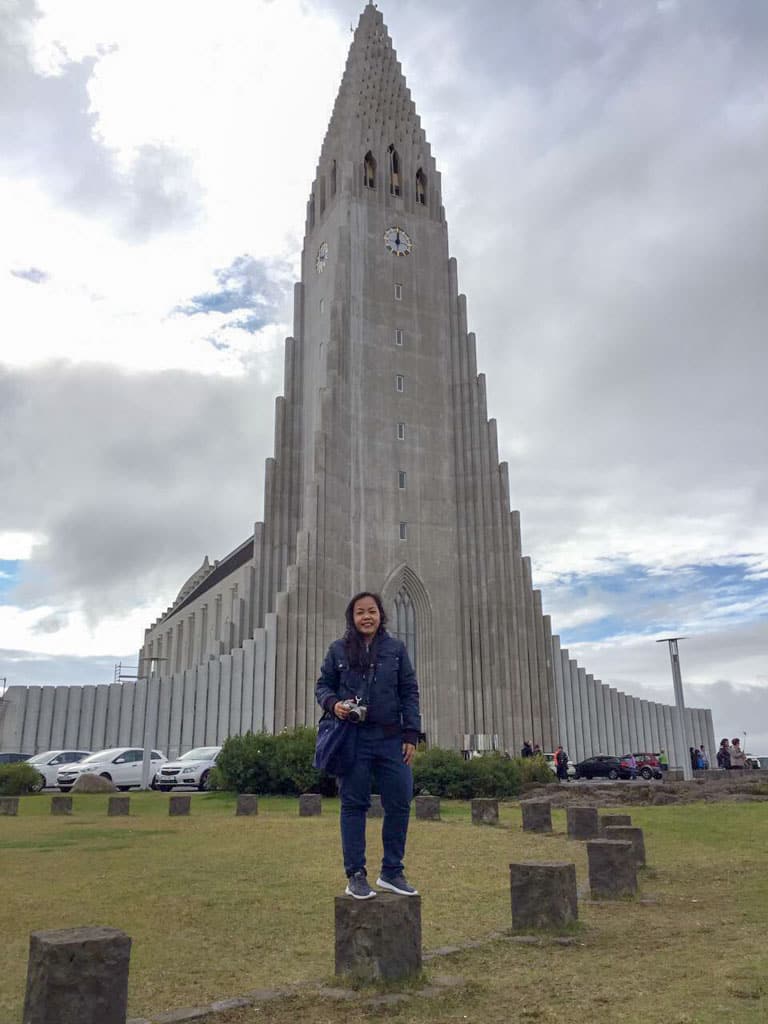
(648, 766)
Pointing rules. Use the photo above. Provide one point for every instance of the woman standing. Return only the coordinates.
(368, 669)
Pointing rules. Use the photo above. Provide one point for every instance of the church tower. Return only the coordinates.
(385, 477)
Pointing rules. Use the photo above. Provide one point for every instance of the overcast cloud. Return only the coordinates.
(604, 181)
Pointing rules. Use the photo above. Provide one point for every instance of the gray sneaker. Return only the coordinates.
(358, 888)
(396, 884)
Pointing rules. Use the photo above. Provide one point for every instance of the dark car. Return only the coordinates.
(648, 766)
(13, 758)
(602, 766)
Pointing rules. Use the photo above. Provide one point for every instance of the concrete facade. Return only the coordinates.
(385, 476)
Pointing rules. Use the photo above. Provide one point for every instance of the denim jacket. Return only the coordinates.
(393, 696)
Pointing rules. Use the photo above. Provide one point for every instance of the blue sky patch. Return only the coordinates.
(9, 577)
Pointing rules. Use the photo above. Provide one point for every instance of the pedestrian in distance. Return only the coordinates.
(561, 764)
(724, 754)
(738, 757)
(367, 680)
(663, 761)
(704, 758)
(632, 765)
(527, 750)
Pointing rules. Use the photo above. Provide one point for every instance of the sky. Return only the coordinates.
(604, 181)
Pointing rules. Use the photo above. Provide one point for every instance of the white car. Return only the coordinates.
(191, 769)
(49, 763)
(121, 765)
(550, 759)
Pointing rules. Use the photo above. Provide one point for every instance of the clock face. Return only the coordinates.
(397, 241)
(321, 258)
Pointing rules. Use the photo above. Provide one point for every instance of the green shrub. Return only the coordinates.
(494, 775)
(442, 773)
(18, 779)
(535, 769)
(261, 763)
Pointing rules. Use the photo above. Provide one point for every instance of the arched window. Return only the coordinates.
(369, 171)
(333, 178)
(312, 210)
(421, 187)
(394, 172)
(405, 622)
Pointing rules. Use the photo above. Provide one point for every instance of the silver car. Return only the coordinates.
(191, 769)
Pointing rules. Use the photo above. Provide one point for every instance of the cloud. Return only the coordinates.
(247, 287)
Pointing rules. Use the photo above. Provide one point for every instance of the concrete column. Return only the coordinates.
(594, 718)
(570, 728)
(72, 724)
(77, 976)
(188, 710)
(225, 689)
(614, 725)
(589, 747)
(557, 665)
(27, 701)
(201, 705)
(85, 729)
(114, 696)
(139, 711)
(236, 692)
(711, 741)
(45, 721)
(259, 679)
(127, 702)
(212, 714)
(270, 669)
(176, 714)
(672, 752)
(578, 722)
(625, 743)
(99, 734)
(249, 664)
(59, 721)
(634, 727)
(165, 689)
(601, 693)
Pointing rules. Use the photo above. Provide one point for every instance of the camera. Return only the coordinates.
(357, 711)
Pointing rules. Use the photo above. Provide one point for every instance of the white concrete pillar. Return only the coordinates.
(604, 710)
(45, 721)
(59, 721)
(570, 730)
(614, 726)
(236, 692)
(72, 724)
(270, 622)
(585, 723)
(626, 739)
(578, 723)
(201, 705)
(139, 713)
(672, 751)
(249, 662)
(85, 729)
(99, 733)
(212, 713)
(188, 710)
(175, 715)
(13, 717)
(225, 688)
(28, 701)
(594, 731)
(114, 696)
(127, 702)
(164, 686)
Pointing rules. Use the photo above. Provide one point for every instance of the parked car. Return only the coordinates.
(648, 766)
(756, 761)
(602, 766)
(13, 758)
(121, 765)
(191, 769)
(48, 764)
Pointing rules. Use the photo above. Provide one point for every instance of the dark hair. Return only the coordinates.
(356, 650)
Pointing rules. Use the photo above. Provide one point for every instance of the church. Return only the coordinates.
(386, 477)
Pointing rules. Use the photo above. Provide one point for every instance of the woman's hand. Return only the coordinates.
(340, 710)
(408, 751)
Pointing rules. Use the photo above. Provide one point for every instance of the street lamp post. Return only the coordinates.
(677, 680)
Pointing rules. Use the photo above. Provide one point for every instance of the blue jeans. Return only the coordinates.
(383, 756)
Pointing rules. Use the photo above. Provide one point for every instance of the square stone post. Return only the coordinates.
(485, 811)
(119, 806)
(608, 820)
(61, 805)
(310, 805)
(376, 809)
(612, 869)
(543, 895)
(77, 976)
(378, 939)
(9, 805)
(537, 815)
(179, 805)
(582, 822)
(247, 805)
(629, 835)
(427, 808)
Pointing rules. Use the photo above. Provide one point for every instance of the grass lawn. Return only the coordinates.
(218, 905)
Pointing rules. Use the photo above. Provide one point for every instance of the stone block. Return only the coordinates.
(609, 820)
(673, 775)
(543, 894)
(61, 805)
(631, 835)
(77, 976)
(9, 805)
(310, 805)
(376, 809)
(427, 808)
(119, 806)
(247, 805)
(612, 869)
(90, 783)
(485, 811)
(537, 815)
(582, 822)
(179, 805)
(378, 939)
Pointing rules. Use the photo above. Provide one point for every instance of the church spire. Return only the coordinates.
(375, 145)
